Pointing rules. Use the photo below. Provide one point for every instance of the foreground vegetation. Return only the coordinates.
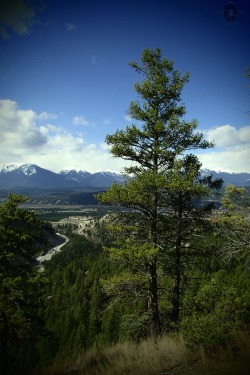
(64, 321)
(166, 355)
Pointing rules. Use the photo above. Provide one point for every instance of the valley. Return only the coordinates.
(58, 197)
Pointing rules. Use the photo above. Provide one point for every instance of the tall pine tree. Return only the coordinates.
(152, 148)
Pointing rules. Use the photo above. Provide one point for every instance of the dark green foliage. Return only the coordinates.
(215, 301)
(233, 225)
(218, 314)
(166, 188)
(135, 327)
(80, 315)
(21, 285)
(77, 303)
(66, 197)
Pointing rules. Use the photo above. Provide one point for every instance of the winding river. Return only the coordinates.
(54, 250)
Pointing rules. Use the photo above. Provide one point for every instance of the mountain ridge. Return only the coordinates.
(32, 176)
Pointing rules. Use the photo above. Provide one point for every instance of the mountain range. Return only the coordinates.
(32, 176)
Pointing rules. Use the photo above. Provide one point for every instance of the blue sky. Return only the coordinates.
(65, 79)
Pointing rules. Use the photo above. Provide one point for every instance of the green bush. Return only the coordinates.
(135, 327)
(218, 315)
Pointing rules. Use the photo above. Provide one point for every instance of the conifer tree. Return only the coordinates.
(233, 225)
(153, 145)
(184, 199)
(20, 282)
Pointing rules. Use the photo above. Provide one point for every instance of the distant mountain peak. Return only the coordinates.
(109, 171)
(29, 169)
(221, 170)
(69, 170)
(14, 176)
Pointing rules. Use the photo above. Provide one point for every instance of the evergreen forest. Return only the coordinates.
(161, 284)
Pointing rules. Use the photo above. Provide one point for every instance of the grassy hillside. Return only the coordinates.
(168, 355)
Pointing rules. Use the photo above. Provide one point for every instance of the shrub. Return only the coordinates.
(218, 315)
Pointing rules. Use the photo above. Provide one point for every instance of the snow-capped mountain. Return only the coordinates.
(98, 179)
(75, 175)
(32, 176)
(234, 178)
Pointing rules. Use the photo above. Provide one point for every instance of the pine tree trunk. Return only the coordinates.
(153, 277)
(176, 288)
(153, 299)
(177, 266)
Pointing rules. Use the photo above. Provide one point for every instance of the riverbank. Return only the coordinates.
(54, 250)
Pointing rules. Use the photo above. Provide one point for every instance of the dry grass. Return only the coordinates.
(167, 355)
(233, 360)
(147, 358)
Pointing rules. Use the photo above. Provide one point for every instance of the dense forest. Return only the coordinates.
(78, 303)
(165, 274)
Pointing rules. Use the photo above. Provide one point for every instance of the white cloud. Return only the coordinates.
(231, 151)
(44, 116)
(227, 136)
(55, 148)
(244, 134)
(70, 26)
(80, 120)
(49, 146)
(65, 141)
(127, 118)
(18, 129)
(64, 150)
(228, 160)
